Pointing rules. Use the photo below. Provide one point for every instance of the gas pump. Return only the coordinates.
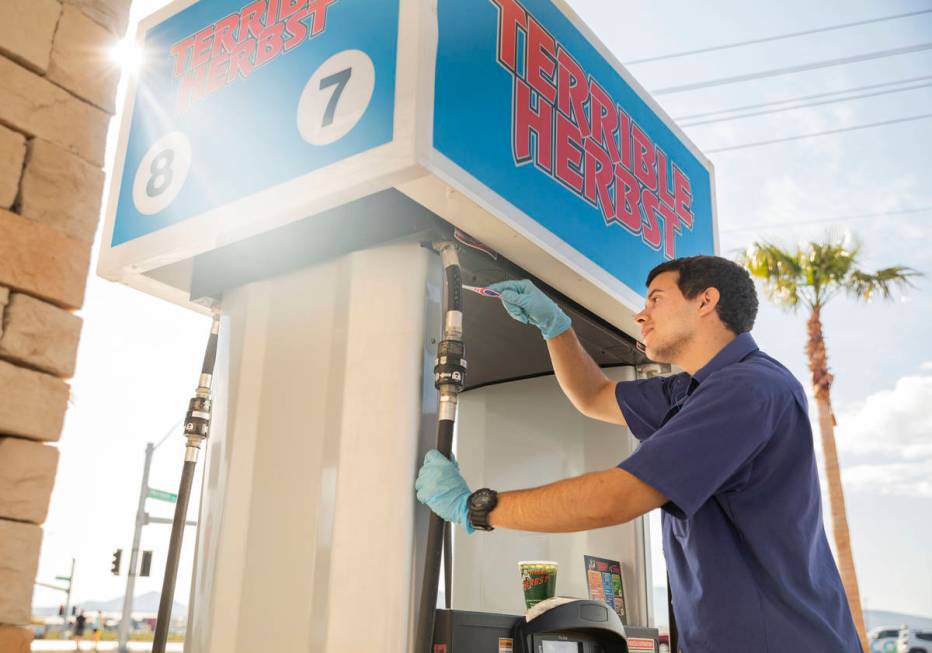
(280, 165)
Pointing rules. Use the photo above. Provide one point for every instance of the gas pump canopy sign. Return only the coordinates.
(527, 105)
(237, 97)
(248, 115)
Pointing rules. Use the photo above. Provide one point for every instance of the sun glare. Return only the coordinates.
(128, 55)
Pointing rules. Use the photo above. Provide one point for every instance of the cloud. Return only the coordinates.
(889, 436)
(893, 423)
(926, 366)
(912, 479)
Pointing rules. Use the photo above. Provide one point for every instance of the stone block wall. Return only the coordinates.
(57, 91)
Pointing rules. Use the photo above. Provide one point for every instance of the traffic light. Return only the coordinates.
(115, 563)
(146, 563)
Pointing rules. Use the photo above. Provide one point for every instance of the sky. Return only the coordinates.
(139, 356)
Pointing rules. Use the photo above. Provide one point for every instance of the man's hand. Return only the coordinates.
(527, 304)
(440, 486)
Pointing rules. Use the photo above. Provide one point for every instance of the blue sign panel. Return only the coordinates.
(237, 97)
(530, 108)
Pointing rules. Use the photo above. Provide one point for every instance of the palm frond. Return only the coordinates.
(815, 274)
(864, 285)
(779, 270)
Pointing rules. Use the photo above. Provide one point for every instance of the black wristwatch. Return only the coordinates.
(481, 503)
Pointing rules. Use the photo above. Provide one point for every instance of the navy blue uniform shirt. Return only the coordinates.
(731, 448)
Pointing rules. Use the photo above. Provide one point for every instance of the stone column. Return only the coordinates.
(58, 86)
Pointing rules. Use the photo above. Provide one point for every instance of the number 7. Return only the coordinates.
(339, 80)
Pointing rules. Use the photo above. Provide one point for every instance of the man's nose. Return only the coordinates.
(641, 316)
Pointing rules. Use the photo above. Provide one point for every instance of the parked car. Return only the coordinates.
(39, 630)
(884, 639)
(913, 640)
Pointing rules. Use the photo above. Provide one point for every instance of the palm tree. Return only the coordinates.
(811, 276)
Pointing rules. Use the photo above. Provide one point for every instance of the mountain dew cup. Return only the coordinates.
(539, 581)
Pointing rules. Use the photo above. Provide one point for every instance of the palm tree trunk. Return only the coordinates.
(821, 384)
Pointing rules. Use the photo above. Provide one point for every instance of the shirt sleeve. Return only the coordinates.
(644, 403)
(704, 448)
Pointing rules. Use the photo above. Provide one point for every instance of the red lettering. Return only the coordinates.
(319, 10)
(289, 7)
(192, 87)
(511, 16)
(202, 46)
(599, 175)
(569, 153)
(249, 20)
(528, 120)
(270, 44)
(571, 90)
(663, 185)
(651, 234)
(179, 52)
(682, 193)
(604, 120)
(241, 59)
(626, 199)
(625, 139)
(270, 12)
(644, 163)
(296, 28)
(541, 60)
(224, 36)
(671, 227)
(218, 72)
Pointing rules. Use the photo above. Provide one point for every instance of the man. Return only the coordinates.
(79, 624)
(726, 451)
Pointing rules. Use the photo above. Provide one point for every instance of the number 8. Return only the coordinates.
(160, 169)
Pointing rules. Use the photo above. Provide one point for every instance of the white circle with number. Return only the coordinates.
(336, 97)
(162, 173)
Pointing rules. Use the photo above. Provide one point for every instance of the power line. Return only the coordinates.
(802, 97)
(805, 105)
(828, 63)
(849, 218)
(775, 38)
(822, 133)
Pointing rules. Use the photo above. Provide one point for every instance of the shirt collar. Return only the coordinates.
(733, 352)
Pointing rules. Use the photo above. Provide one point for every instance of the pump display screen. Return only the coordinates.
(560, 647)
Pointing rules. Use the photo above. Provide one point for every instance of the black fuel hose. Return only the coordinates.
(196, 429)
(449, 377)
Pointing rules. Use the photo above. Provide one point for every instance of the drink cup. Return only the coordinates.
(538, 580)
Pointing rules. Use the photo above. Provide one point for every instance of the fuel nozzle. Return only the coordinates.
(197, 419)
(450, 365)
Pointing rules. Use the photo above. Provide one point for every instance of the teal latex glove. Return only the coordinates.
(527, 304)
(441, 487)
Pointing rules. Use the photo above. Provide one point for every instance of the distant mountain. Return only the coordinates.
(147, 603)
(875, 618)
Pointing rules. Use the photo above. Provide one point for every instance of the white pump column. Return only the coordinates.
(306, 541)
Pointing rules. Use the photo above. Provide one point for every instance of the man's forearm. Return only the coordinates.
(579, 376)
(593, 500)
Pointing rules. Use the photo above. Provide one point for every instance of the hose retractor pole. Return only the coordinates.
(449, 377)
(196, 428)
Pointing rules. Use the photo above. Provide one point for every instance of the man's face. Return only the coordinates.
(668, 321)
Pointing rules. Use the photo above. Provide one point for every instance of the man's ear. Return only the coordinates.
(708, 300)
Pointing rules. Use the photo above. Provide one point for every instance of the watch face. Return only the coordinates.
(482, 499)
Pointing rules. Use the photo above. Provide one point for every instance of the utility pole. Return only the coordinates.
(67, 590)
(142, 519)
(126, 619)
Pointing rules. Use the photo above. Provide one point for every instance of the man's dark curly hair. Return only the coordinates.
(737, 306)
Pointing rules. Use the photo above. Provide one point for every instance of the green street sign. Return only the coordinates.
(162, 495)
